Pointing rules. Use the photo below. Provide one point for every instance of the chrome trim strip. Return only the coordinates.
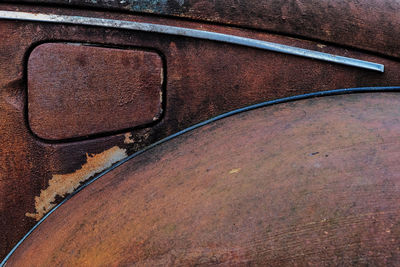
(200, 34)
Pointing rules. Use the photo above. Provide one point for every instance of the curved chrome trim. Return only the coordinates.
(200, 34)
(191, 128)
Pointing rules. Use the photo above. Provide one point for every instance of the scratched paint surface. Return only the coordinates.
(313, 182)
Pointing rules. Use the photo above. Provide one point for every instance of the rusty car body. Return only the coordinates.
(188, 132)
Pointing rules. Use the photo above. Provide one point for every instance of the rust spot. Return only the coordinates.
(63, 184)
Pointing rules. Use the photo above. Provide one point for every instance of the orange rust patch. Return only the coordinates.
(63, 184)
(128, 139)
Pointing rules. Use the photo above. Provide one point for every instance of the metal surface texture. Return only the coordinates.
(318, 183)
(76, 90)
(203, 79)
(180, 31)
(370, 25)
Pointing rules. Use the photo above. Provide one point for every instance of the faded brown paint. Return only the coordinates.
(76, 90)
(204, 79)
(63, 184)
(318, 185)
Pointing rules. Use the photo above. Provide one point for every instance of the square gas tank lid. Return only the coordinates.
(79, 90)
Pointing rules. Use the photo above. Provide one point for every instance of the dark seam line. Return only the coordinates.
(193, 127)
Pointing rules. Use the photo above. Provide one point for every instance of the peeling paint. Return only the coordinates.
(234, 171)
(162, 76)
(128, 139)
(63, 184)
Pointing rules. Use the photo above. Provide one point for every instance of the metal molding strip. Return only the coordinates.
(199, 34)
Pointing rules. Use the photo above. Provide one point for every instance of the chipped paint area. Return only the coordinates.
(128, 139)
(63, 184)
(235, 171)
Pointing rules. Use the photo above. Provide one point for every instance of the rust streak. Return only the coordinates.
(63, 184)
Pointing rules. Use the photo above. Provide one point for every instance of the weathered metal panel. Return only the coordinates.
(76, 90)
(313, 182)
(371, 25)
(191, 33)
(205, 79)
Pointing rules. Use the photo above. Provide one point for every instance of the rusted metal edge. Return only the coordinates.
(219, 117)
(193, 33)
